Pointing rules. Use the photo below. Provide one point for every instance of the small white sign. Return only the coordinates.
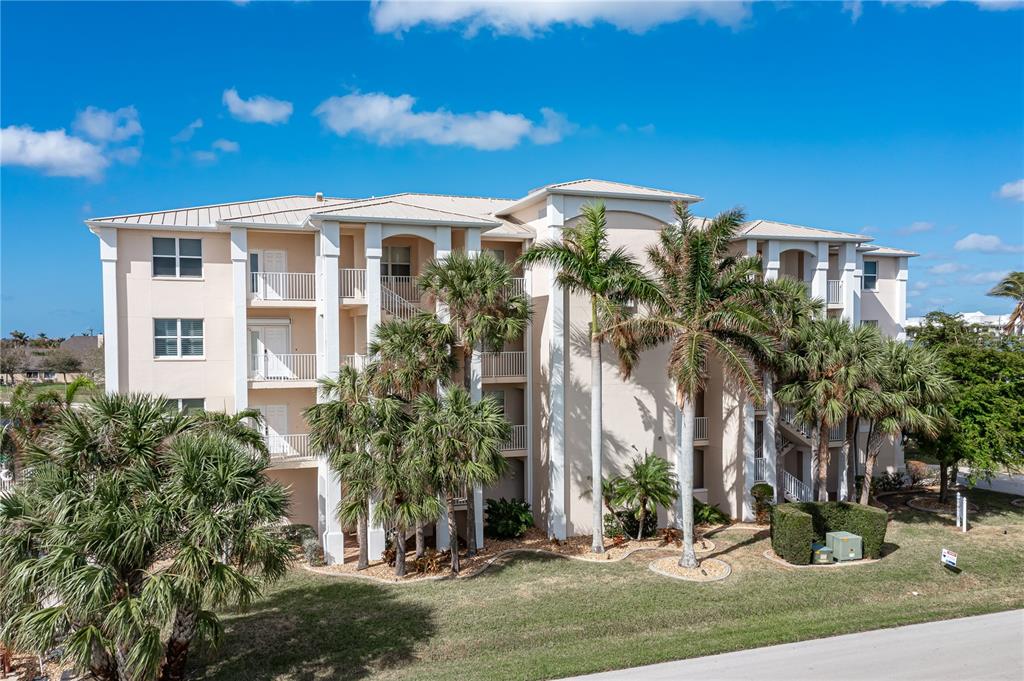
(948, 558)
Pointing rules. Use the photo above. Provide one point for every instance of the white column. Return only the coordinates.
(808, 471)
(557, 523)
(819, 278)
(473, 241)
(328, 343)
(902, 273)
(768, 435)
(772, 260)
(239, 317)
(111, 315)
(328, 491)
(528, 407)
(749, 473)
(848, 270)
(858, 283)
(373, 236)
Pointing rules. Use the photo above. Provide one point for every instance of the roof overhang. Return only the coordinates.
(364, 219)
(538, 194)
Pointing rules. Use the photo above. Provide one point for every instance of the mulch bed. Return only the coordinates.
(709, 570)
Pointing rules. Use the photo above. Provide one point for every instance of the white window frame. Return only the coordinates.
(177, 402)
(387, 261)
(177, 259)
(496, 253)
(177, 338)
(873, 276)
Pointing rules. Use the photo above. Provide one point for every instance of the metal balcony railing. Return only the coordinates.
(700, 428)
(288, 447)
(510, 364)
(516, 439)
(285, 286)
(835, 292)
(291, 367)
(352, 284)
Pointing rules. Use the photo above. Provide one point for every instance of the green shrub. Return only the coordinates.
(705, 514)
(888, 482)
(507, 518)
(630, 524)
(792, 532)
(313, 552)
(795, 526)
(763, 494)
(296, 534)
(612, 526)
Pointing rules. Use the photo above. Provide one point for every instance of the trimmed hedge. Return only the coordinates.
(795, 526)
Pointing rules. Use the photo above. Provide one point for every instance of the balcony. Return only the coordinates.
(516, 440)
(288, 448)
(761, 470)
(357, 362)
(352, 284)
(700, 429)
(835, 293)
(283, 369)
(504, 365)
(518, 286)
(282, 287)
(837, 433)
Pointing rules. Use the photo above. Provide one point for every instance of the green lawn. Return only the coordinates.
(81, 396)
(536, 617)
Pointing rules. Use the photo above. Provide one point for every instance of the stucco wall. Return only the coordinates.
(301, 484)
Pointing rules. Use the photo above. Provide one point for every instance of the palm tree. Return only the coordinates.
(463, 441)
(340, 428)
(648, 484)
(19, 338)
(831, 365)
(711, 302)
(911, 387)
(586, 265)
(1012, 287)
(410, 356)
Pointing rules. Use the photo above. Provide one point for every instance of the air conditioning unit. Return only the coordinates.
(822, 555)
(844, 545)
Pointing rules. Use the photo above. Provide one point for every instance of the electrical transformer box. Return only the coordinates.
(844, 545)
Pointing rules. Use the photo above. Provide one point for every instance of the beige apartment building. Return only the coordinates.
(244, 305)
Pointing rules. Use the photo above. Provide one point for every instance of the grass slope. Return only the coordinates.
(536, 617)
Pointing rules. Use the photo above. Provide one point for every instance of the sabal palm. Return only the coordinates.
(648, 484)
(1012, 287)
(585, 264)
(831, 366)
(910, 391)
(340, 428)
(27, 413)
(462, 440)
(410, 356)
(711, 303)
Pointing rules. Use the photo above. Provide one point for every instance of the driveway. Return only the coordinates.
(983, 648)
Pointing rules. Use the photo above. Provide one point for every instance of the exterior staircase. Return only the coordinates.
(393, 304)
(795, 489)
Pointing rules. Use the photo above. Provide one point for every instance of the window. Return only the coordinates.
(397, 261)
(177, 257)
(499, 397)
(870, 275)
(186, 404)
(869, 322)
(178, 337)
(498, 255)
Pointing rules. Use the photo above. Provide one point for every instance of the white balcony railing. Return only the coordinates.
(835, 292)
(289, 286)
(271, 367)
(837, 433)
(760, 470)
(288, 447)
(6, 481)
(516, 439)
(795, 488)
(357, 362)
(518, 286)
(503, 364)
(352, 284)
(407, 288)
(700, 428)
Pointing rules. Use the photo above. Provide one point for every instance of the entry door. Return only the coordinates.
(270, 351)
(275, 427)
(272, 283)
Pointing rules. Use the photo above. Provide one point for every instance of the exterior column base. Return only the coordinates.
(478, 514)
(334, 548)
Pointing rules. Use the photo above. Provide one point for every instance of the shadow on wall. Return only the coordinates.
(361, 628)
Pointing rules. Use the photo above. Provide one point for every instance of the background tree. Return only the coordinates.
(584, 264)
(12, 361)
(711, 303)
(62, 361)
(19, 338)
(1012, 287)
(648, 484)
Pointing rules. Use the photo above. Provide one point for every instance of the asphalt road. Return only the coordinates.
(983, 648)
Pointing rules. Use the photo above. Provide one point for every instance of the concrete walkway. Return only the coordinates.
(983, 648)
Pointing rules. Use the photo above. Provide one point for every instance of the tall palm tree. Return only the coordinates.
(462, 440)
(1012, 287)
(340, 428)
(586, 265)
(831, 366)
(911, 387)
(410, 356)
(711, 302)
(648, 484)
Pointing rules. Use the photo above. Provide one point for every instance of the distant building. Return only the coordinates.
(994, 321)
(34, 366)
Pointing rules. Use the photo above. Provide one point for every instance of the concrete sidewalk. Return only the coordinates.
(983, 648)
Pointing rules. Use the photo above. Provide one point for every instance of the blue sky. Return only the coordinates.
(900, 120)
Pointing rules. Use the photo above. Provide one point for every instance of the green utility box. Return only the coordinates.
(844, 545)
(822, 554)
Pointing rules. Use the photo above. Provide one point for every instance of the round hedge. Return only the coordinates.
(794, 527)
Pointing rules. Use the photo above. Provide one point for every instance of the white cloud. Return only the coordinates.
(986, 243)
(127, 155)
(528, 19)
(227, 146)
(258, 109)
(188, 131)
(984, 277)
(391, 120)
(917, 227)
(1012, 190)
(946, 268)
(108, 126)
(990, 5)
(54, 152)
(855, 9)
(205, 156)
(919, 286)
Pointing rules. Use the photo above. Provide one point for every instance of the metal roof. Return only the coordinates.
(889, 251)
(208, 216)
(398, 211)
(769, 229)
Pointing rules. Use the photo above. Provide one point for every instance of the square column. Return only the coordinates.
(557, 523)
(819, 276)
(328, 493)
(749, 467)
(772, 260)
(328, 343)
(239, 317)
(373, 236)
(902, 274)
(848, 267)
(768, 436)
(108, 263)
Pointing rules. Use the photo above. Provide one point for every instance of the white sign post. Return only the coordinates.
(963, 513)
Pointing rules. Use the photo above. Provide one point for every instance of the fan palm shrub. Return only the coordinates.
(585, 264)
(648, 484)
(1012, 287)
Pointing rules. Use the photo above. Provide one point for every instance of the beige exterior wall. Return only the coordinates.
(881, 304)
(299, 248)
(297, 400)
(302, 493)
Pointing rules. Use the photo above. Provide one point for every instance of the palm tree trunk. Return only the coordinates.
(399, 552)
(643, 517)
(421, 540)
(596, 428)
(844, 460)
(684, 466)
(815, 455)
(470, 523)
(453, 537)
(362, 534)
(874, 444)
(943, 481)
(182, 633)
(823, 457)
